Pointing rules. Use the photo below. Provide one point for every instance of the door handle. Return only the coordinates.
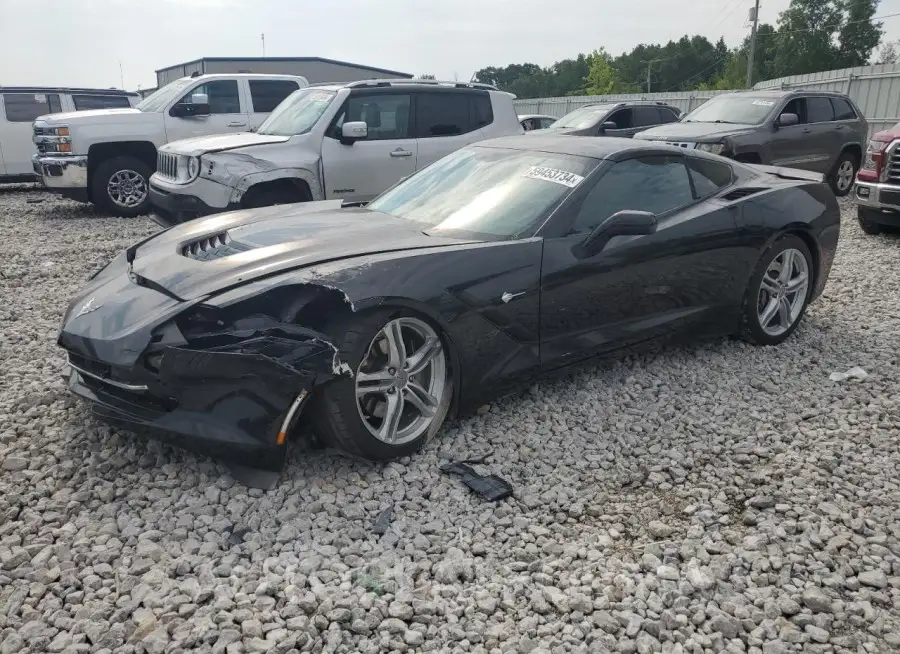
(806, 130)
(237, 124)
(401, 153)
(839, 127)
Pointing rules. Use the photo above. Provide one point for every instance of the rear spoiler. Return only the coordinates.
(788, 173)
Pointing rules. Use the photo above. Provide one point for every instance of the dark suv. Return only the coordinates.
(819, 131)
(614, 119)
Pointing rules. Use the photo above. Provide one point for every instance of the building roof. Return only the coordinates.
(291, 59)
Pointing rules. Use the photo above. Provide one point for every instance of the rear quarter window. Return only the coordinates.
(25, 107)
(86, 102)
(843, 110)
(268, 94)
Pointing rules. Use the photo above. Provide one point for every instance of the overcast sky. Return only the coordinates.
(82, 42)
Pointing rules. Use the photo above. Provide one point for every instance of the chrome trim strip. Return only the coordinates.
(125, 387)
(292, 412)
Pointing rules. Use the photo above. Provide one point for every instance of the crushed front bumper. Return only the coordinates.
(65, 174)
(172, 206)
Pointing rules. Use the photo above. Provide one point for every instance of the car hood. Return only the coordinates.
(203, 257)
(571, 131)
(220, 142)
(693, 131)
(96, 116)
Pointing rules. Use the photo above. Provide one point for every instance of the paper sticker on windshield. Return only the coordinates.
(40, 98)
(763, 103)
(555, 175)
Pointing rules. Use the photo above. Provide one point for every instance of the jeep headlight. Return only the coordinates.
(712, 148)
(193, 168)
(188, 169)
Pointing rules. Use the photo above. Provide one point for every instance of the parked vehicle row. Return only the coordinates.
(106, 156)
(21, 105)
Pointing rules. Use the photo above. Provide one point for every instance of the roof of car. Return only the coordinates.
(242, 75)
(783, 93)
(596, 147)
(524, 116)
(64, 89)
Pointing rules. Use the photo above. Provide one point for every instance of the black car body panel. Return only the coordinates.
(215, 332)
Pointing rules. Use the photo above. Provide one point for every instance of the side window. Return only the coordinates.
(481, 113)
(86, 102)
(645, 117)
(622, 118)
(819, 110)
(843, 110)
(547, 122)
(223, 96)
(441, 114)
(653, 183)
(708, 176)
(796, 106)
(267, 94)
(25, 107)
(667, 115)
(386, 116)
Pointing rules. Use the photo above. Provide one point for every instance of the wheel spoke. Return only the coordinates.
(373, 382)
(784, 312)
(787, 266)
(392, 413)
(768, 313)
(796, 283)
(417, 362)
(769, 284)
(419, 398)
(393, 334)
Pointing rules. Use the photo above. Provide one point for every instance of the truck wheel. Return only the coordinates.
(844, 174)
(121, 185)
(866, 223)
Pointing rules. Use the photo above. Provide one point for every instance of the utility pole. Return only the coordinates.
(649, 63)
(121, 75)
(263, 39)
(754, 16)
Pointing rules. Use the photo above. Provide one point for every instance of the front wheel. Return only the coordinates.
(120, 186)
(778, 292)
(844, 174)
(400, 391)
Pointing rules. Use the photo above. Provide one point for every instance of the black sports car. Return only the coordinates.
(507, 258)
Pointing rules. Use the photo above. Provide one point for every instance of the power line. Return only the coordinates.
(833, 27)
(728, 13)
(698, 73)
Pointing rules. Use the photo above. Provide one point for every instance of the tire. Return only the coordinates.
(133, 197)
(270, 198)
(755, 327)
(351, 425)
(866, 224)
(843, 174)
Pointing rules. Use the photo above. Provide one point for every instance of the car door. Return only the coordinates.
(265, 95)
(227, 111)
(825, 140)
(444, 122)
(623, 120)
(362, 170)
(644, 117)
(804, 145)
(688, 276)
(19, 111)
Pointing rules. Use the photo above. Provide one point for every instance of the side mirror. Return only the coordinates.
(609, 124)
(199, 98)
(354, 131)
(786, 120)
(624, 223)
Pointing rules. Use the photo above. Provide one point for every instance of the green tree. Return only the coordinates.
(858, 36)
(602, 78)
(888, 54)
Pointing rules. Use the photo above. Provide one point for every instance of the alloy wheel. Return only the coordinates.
(782, 292)
(127, 188)
(401, 381)
(845, 175)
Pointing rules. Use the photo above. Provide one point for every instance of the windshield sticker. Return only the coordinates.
(763, 103)
(554, 175)
(40, 98)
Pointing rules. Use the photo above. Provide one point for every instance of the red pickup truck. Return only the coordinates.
(877, 189)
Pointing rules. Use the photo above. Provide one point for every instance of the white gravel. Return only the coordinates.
(715, 498)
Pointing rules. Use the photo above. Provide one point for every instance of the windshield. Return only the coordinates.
(581, 118)
(488, 193)
(298, 113)
(161, 99)
(739, 109)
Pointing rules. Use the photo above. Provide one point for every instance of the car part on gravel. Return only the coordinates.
(489, 487)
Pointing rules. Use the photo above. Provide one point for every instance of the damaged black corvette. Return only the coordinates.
(505, 259)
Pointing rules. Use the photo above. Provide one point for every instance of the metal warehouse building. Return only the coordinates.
(314, 69)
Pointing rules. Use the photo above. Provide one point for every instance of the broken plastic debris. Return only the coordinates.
(383, 521)
(854, 373)
(491, 487)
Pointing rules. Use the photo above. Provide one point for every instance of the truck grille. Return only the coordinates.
(893, 167)
(167, 165)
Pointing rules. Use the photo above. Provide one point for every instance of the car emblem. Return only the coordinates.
(87, 307)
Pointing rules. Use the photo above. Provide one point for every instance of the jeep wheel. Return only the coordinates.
(844, 174)
(120, 187)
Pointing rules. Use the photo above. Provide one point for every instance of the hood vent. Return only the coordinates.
(739, 193)
(213, 247)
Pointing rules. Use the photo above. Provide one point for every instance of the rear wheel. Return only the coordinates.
(120, 186)
(778, 292)
(400, 391)
(864, 218)
(844, 174)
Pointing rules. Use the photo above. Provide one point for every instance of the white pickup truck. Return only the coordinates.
(107, 156)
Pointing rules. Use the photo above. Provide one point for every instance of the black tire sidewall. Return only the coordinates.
(866, 224)
(101, 178)
(845, 156)
(751, 328)
(336, 416)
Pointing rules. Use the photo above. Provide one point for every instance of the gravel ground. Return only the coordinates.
(714, 498)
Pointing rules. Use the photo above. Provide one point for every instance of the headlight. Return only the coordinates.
(713, 148)
(193, 167)
(60, 131)
(188, 168)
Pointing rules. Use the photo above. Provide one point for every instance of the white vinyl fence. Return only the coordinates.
(875, 89)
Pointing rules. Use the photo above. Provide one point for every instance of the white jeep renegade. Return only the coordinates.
(349, 141)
